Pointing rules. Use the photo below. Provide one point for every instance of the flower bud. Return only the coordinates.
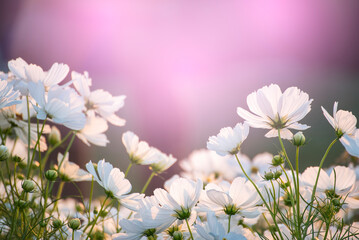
(51, 175)
(269, 176)
(57, 223)
(177, 235)
(17, 159)
(298, 139)
(4, 153)
(28, 185)
(74, 223)
(21, 204)
(277, 160)
(20, 176)
(277, 174)
(54, 136)
(336, 202)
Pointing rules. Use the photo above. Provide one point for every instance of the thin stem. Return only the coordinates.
(260, 194)
(73, 234)
(33, 155)
(128, 168)
(316, 180)
(28, 129)
(96, 218)
(229, 223)
(90, 198)
(148, 182)
(297, 191)
(189, 229)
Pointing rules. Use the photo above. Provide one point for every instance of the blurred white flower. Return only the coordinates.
(99, 101)
(139, 151)
(8, 96)
(229, 140)
(70, 171)
(344, 122)
(160, 162)
(93, 132)
(61, 105)
(351, 143)
(215, 229)
(340, 183)
(11, 119)
(26, 73)
(275, 110)
(209, 166)
(114, 183)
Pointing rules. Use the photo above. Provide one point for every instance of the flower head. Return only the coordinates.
(343, 122)
(229, 140)
(139, 151)
(70, 171)
(275, 110)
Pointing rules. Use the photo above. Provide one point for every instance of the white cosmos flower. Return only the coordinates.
(214, 229)
(160, 161)
(139, 151)
(70, 171)
(99, 101)
(61, 105)
(8, 97)
(229, 140)
(272, 109)
(209, 166)
(340, 183)
(26, 73)
(93, 132)
(241, 198)
(344, 122)
(114, 183)
(179, 201)
(11, 119)
(351, 143)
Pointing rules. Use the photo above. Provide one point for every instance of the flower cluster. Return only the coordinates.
(220, 193)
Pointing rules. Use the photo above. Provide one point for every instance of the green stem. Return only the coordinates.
(148, 182)
(229, 223)
(128, 168)
(316, 180)
(96, 218)
(28, 129)
(33, 155)
(90, 198)
(189, 229)
(45, 202)
(260, 194)
(297, 191)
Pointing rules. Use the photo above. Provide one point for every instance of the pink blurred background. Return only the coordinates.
(185, 66)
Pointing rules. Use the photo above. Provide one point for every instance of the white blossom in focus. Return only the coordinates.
(99, 101)
(114, 183)
(61, 105)
(139, 151)
(93, 132)
(70, 171)
(160, 161)
(229, 140)
(344, 122)
(274, 110)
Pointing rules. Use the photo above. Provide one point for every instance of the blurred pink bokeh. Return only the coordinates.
(186, 65)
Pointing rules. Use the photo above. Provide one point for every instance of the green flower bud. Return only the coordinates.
(17, 159)
(20, 176)
(231, 209)
(177, 235)
(21, 204)
(43, 223)
(28, 185)
(184, 213)
(269, 176)
(277, 174)
(298, 139)
(74, 223)
(35, 165)
(277, 160)
(4, 153)
(51, 175)
(336, 202)
(95, 211)
(57, 223)
(54, 136)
